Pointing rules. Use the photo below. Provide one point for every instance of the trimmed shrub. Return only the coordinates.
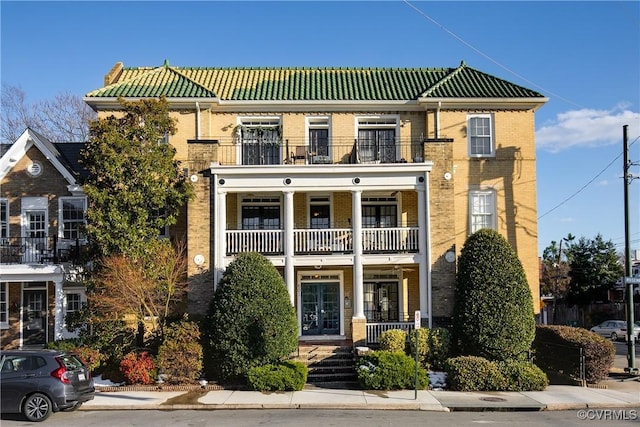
(90, 356)
(393, 340)
(557, 353)
(439, 344)
(493, 311)
(522, 376)
(180, 355)
(423, 346)
(473, 373)
(138, 368)
(288, 375)
(389, 370)
(251, 321)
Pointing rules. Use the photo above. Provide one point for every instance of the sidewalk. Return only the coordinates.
(618, 394)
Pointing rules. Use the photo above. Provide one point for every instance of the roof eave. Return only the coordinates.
(487, 103)
(112, 103)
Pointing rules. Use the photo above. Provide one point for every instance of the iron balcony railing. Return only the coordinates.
(327, 241)
(297, 151)
(39, 250)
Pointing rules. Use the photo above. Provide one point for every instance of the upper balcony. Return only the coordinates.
(39, 250)
(329, 241)
(297, 151)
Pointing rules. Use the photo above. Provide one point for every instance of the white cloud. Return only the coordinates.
(585, 128)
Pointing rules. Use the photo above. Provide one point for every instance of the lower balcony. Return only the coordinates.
(39, 250)
(323, 241)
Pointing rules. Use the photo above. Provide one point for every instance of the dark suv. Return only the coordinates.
(38, 382)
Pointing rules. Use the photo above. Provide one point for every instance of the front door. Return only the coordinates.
(320, 308)
(34, 317)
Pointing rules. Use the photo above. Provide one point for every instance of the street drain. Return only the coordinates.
(493, 399)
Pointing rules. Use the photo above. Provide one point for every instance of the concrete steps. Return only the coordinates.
(328, 364)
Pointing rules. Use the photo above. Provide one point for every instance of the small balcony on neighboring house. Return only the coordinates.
(383, 240)
(40, 250)
(297, 151)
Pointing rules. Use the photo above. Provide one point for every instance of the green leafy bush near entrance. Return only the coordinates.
(251, 321)
(473, 373)
(557, 351)
(288, 375)
(180, 355)
(493, 311)
(393, 340)
(389, 370)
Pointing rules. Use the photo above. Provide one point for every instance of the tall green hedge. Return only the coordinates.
(493, 311)
(251, 321)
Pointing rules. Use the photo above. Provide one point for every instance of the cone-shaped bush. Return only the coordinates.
(493, 311)
(251, 321)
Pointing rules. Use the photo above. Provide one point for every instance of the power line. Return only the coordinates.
(481, 53)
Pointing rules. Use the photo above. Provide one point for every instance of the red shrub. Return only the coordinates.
(138, 368)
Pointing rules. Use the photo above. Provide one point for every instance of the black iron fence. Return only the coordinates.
(39, 250)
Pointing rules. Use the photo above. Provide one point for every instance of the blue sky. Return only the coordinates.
(584, 56)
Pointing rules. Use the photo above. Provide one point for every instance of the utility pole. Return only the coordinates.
(627, 280)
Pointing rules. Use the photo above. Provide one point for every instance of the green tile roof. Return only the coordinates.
(310, 84)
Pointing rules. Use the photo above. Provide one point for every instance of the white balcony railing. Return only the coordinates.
(329, 240)
(374, 330)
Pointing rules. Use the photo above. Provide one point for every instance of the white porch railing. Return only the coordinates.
(390, 239)
(263, 241)
(328, 240)
(374, 330)
(323, 240)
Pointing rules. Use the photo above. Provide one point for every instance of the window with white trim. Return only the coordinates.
(260, 213)
(482, 210)
(318, 139)
(74, 302)
(4, 305)
(4, 218)
(260, 140)
(72, 216)
(480, 135)
(377, 139)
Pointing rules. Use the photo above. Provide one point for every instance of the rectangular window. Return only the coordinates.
(261, 214)
(482, 206)
(4, 218)
(480, 134)
(377, 140)
(319, 150)
(260, 141)
(73, 216)
(381, 301)
(74, 302)
(4, 306)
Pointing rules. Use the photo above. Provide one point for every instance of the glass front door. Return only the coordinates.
(320, 308)
(34, 317)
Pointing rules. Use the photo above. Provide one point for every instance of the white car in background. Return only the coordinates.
(616, 329)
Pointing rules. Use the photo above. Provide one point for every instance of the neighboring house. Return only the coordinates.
(42, 209)
(361, 185)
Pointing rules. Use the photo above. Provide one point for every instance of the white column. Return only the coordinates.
(424, 242)
(220, 236)
(358, 276)
(60, 309)
(289, 276)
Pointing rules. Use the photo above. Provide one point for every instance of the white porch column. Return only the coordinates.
(424, 242)
(289, 276)
(220, 236)
(60, 309)
(358, 287)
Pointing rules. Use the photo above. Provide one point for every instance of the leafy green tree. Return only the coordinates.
(135, 187)
(554, 278)
(594, 267)
(251, 321)
(493, 310)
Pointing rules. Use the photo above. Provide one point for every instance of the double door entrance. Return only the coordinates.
(320, 308)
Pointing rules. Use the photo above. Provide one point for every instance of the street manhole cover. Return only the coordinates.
(493, 399)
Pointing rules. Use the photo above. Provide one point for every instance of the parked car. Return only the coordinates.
(39, 382)
(616, 329)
